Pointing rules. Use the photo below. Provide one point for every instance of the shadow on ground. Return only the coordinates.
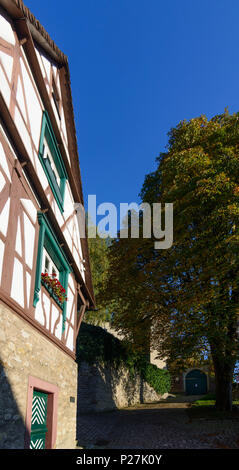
(161, 425)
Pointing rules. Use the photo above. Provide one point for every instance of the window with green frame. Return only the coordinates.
(47, 242)
(52, 161)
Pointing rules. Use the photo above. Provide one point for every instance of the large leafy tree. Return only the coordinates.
(98, 252)
(189, 294)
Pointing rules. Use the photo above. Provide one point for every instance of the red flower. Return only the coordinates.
(56, 286)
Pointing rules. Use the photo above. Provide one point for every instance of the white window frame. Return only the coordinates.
(52, 267)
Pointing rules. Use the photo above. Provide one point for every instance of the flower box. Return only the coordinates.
(54, 287)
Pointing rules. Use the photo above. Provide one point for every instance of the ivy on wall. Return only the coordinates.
(94, 344)
(159, 379)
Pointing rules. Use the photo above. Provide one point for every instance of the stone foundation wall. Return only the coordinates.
(24, 352)
(103, 388)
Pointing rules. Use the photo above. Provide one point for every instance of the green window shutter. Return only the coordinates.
(48, 134)
(52, 178)
(39, 420)
(39, 263)
(48, 240)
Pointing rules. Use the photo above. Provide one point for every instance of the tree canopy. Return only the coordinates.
(188, 295)
(98, 252)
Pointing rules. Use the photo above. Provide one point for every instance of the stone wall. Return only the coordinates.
(153, 354)
(102, 388)
(25, 352)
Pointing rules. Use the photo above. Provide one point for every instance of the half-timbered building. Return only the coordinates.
(45, 281)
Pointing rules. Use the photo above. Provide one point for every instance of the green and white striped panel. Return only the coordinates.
(39, 419)
(37, 443)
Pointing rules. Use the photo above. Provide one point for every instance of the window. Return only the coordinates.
(52, 162)
(48, 265)
(50, 261)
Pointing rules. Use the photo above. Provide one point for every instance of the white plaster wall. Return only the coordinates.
(23, 131)
(30, 209)
(20, 99)
(2, 181)
(54, 319)
(18, 245)
(69, 303)
(17, 290)
(7, 34)
(6, 30)
(3, 162)
(41, 63)
(5, 87)
(29, 236)
(4, 216)
(39, 315)
(33, 104)
(71, 282)
(7, 62)
(77, 238)
(57, 212)
(41, 174)
(69, 342)
(47, 67)
(28, 283)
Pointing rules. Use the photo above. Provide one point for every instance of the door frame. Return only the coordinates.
(52, 391)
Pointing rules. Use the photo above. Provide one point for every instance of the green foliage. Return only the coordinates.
(98, 252)
(94, 344)
(188, 295)
(206, 398)
(205, 408)
(159, 379)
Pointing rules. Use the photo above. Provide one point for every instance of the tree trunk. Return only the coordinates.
(224, 354)
(223, 379)
(223, 394)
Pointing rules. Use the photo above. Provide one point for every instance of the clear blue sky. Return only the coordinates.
(138, 67)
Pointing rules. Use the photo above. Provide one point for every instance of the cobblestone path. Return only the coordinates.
(164, 425)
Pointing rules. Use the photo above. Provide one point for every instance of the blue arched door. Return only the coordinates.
(196, 382)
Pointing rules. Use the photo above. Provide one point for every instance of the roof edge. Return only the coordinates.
(16, 10)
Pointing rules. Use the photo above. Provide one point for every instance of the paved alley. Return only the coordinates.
(163, 425)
